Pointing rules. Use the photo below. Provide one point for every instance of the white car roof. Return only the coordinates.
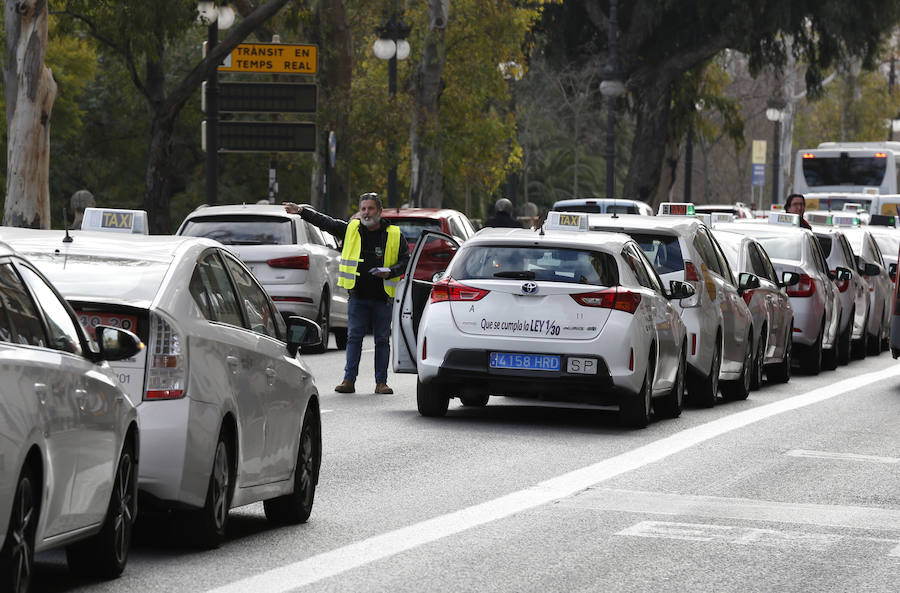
(226, 209)
(578, 239)
(678, 224)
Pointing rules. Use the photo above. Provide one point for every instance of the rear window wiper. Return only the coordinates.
(517, 274)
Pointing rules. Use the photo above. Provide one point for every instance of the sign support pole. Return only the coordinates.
(273, 180)
(212, 119)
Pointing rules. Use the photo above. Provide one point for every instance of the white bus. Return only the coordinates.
(868, 168)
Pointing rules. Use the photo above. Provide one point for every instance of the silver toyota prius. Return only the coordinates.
(229, 413)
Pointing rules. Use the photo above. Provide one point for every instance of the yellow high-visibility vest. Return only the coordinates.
(350, 259)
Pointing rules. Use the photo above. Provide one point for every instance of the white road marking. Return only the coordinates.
(322, 566)
(750, 536)
(841, 456)
(325, 411)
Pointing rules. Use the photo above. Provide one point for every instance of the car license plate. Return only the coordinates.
(528, 362)
(581, 366)
(91, 319)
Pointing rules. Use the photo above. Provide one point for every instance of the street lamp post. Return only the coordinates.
(215, 17)
(392, 45)
(611, 88)
(775, 113)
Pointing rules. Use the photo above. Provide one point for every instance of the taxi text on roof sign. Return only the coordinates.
(566, 221)
(275, 58)
(676, 209)
(115, 220)
(784, 218)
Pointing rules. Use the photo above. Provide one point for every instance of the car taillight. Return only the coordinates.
(690, 272)
(609, 298)
(806, 287)
(166, 361)
(748, 295)
(297, 262)
(449, 289)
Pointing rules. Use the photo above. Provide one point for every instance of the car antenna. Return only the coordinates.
(615, 213)
(68, 237)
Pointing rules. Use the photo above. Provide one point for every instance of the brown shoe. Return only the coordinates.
(383, 388)
(345, 387)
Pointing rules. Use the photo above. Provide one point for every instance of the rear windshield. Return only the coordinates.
(241, 229)
(107, 277)
(556, 264)
(662, 250)
(844, 170)
(413, 227)
(781, 247)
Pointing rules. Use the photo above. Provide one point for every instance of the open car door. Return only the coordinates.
(430, 257)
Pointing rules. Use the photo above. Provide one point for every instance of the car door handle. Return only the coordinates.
(41, 390)
(234, 362)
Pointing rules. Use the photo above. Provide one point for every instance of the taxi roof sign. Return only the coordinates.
(847, 220)
(784, 219)
(676, 209)
(705, 218)
(720, 217)
(819, 218)
(116, 220)
(566, 221)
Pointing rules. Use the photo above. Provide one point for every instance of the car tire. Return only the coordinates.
(671, 404)
(859, 347)
(780, 372)
(210, 521)
(844, 346)
(475, 401)
(759, 359)
(323, 318)
(431, 400)
(106, 554)
(340, 337)
(296, 507)
(17, 555)
(705, 390)
(740, 388)
(634, 410)
(873, 342)
(811, 360)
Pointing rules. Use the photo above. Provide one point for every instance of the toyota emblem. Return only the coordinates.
(529, 288)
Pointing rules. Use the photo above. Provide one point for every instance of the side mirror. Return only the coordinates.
(868, 269)
(892, 270)
(116, 343)
(302, 332)
(438, 275)
(789, 279)
(843, 274)
(747, 281)
(680, 290)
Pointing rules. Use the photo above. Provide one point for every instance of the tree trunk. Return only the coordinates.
(159, 175)
(649, 146)
(426, 187)
(30, 91)
(333, 35)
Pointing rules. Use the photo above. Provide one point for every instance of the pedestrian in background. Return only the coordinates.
(503, 216)
(796, 204)
(373, 260)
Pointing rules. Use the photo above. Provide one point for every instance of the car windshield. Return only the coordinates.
(557, 264)
(102, 276)
(780, 246)
(413, 227)
(662, 250)
(241, 229)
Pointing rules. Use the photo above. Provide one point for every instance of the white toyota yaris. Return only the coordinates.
(557, 315)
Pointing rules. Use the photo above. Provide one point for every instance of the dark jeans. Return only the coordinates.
(361, 313)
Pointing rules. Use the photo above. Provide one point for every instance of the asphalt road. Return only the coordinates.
(795, 489)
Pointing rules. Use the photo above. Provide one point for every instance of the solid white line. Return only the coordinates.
(841, 456)
(328, 564)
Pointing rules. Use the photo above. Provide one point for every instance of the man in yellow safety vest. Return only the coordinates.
(373, 260)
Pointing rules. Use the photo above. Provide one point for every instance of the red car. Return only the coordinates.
(412, 221)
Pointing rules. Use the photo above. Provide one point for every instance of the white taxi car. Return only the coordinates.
(719, 325)
(229, 414)
(556, 315)
(70, 440)
(295, 262)
(815, 297)
(770, 307)
(854, 290)
(874, 270)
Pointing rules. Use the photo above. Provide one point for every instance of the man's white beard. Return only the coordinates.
(371, 222)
